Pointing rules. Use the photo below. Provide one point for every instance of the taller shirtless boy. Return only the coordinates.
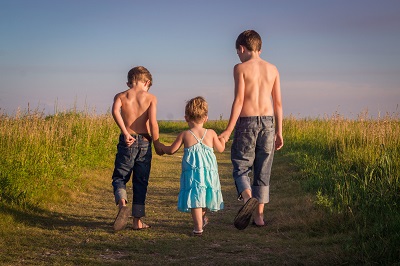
(256, 116)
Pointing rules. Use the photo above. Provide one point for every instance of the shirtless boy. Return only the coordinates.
(256, 116)
(134, 111)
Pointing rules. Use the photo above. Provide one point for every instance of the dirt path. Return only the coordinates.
(79, 232)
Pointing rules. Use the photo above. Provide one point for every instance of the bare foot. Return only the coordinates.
(139, 225)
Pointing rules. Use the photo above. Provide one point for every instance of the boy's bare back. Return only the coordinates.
(135, 107)
(257, 86)
(255, 80)
(135, 110)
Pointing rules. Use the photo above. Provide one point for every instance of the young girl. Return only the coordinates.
(200, 188)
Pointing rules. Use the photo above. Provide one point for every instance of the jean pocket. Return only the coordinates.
(124, 153)
(268, 140)
(244, 141)
(145, 152)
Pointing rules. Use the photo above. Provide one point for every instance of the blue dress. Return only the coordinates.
(199, 184)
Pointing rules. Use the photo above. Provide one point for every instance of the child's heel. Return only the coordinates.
(197, 233)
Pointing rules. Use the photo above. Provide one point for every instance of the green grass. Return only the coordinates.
(42, 156)
(335, 196)
(353, 168)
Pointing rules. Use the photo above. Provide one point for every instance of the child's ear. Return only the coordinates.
(206, 119)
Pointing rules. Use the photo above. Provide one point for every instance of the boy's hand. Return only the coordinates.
(278, 142)
(225, 135)
(129, 140)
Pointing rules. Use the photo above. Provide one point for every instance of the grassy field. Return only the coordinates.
(334, 197)
(353, 168)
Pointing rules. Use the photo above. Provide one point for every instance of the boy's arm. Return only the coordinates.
(278, 112)
(174, 146)
(116, 113)
(154, 129)
(237, 102)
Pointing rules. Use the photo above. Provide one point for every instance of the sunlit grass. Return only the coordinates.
(351, 167)
(42, 156)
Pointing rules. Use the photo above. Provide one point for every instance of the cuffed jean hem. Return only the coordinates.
(138, 210)
(120, 194)
(242, 183)
(261, 193)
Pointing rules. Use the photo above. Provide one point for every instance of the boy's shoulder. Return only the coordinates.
(270, 65)
(256, 65)
(133, 93)
(145, 94)
(258, 61)
(119, 95)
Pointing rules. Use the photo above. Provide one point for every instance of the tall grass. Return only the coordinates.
(42, 156)
(353, 168)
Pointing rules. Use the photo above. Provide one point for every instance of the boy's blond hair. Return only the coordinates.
(249, 39)
(139, 73)
(196, 109)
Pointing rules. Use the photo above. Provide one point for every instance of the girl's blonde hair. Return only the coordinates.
(196, 109)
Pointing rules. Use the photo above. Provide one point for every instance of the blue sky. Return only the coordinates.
(333, 56)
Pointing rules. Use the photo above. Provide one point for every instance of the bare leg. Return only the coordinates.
(205, 218)
(259, 214)
(246, 195)
(121, 203)
(197, 215)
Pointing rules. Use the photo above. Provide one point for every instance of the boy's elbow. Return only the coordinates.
(278, 106)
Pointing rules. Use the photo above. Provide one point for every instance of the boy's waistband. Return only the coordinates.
(255, 118)
(143, 136)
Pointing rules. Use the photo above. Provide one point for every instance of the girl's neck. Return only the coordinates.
(193, 125)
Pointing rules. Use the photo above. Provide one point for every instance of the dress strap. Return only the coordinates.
(198, 140)
(205, 132)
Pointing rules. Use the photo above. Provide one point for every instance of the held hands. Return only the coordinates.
(225, 136)
(158, 146)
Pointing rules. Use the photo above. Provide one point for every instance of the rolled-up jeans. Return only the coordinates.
(253, 150)
(134, 161)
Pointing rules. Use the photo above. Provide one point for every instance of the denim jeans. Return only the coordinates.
(134, 160)
(253, 150)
